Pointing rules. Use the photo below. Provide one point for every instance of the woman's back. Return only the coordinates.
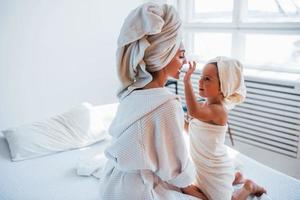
(147, 158)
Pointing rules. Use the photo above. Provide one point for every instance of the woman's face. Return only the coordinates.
(209, 85)
(174, 67)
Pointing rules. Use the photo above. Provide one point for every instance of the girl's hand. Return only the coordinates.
(190, 71)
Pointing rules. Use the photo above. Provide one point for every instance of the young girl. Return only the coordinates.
(222, 86)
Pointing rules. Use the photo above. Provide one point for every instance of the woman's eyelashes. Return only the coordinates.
(182, 55)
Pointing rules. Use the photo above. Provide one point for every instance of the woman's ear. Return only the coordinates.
(166, 71)
(221, 93)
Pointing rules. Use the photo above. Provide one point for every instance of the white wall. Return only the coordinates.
(55, 54)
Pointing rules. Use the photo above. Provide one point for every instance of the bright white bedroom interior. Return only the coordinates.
(56, 54)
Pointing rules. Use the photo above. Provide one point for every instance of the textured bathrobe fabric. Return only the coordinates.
(147, 158)
(214, 168)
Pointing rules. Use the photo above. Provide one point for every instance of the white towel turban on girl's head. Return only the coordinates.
(231, 80)
(150, 37)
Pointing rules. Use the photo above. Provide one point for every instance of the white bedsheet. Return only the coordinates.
(279, 186)
(54, 177)
(51, 177)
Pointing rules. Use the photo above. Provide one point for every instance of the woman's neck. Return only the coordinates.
(152, 85)
(159, 80)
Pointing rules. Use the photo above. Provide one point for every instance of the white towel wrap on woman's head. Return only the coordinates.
(150, 37)
(231, 80)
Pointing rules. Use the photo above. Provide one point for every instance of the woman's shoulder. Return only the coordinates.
(171, 108)
(173, 103)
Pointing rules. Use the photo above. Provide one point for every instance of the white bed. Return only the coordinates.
(279, 186)
(49, 177)
(53, 177)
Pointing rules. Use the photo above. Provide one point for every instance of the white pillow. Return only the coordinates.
(79, 127)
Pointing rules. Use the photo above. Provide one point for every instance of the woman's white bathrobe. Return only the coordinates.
(148, 158)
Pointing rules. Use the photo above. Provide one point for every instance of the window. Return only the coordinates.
(211, 44)
(273, 10)
(213, 10)
(262, 34)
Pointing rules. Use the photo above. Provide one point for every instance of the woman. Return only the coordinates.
(147, 158)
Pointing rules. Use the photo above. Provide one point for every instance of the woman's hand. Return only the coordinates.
(186, 125)
(194, 191)
(190, 71)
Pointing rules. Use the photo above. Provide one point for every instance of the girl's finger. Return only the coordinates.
(192, 65)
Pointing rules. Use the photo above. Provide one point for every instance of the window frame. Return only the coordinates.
(237, 27)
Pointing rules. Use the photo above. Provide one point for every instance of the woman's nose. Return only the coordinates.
(185, 61)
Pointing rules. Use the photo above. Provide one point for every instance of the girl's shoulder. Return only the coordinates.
(220, 113)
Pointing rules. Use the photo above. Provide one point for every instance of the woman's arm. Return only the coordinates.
(194, 191)
(170, 161)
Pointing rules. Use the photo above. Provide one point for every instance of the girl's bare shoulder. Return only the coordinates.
(220, 113)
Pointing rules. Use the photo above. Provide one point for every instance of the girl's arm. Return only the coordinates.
(195, 109)
(190, 97)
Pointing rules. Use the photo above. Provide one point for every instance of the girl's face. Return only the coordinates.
(174, 67)
(209, 84)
